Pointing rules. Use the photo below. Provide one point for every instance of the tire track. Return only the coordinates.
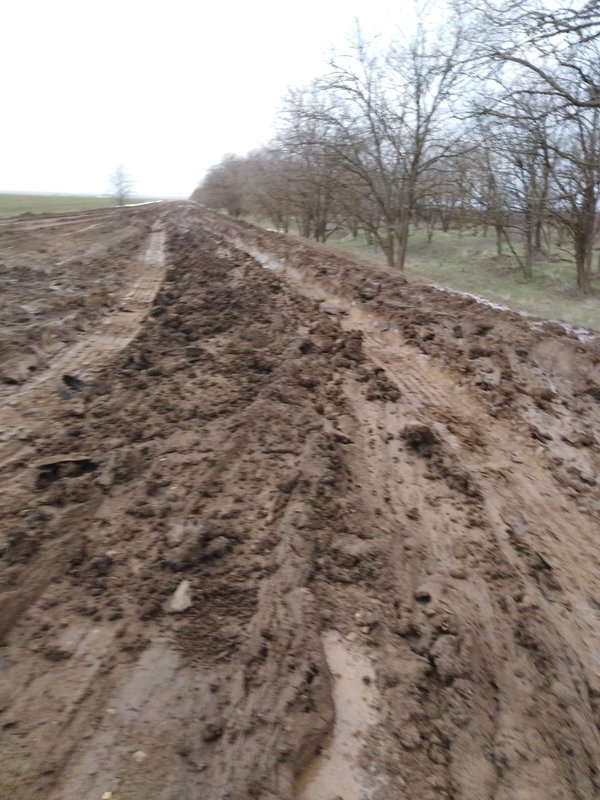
(24, 405)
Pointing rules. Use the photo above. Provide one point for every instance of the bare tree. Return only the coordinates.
(387, 115)
(122, 185)
(309, 142)
(555, 45)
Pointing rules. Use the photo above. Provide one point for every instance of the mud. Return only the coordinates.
(287, 505)
(336, 770)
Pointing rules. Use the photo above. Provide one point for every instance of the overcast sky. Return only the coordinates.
(163, 88)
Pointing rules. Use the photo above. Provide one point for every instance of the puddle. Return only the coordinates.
(268, 261)
(336, 773)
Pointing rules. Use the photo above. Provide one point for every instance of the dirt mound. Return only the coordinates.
(278, 531)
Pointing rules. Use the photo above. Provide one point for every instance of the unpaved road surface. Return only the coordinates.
(299, 530)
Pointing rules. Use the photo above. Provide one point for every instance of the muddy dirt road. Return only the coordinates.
(289, 528)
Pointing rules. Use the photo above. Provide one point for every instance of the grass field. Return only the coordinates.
(54, 203)
(469, 263)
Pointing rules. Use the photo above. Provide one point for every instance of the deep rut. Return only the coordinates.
(495, 547)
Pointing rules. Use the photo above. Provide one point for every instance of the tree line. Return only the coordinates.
(489, 120)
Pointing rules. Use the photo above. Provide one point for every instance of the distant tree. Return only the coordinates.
(121, 184)
(224, 186)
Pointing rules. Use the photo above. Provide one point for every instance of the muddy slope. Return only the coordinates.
(285, 490)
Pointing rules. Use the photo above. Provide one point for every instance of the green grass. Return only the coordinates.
(54, 203)
(469, 263)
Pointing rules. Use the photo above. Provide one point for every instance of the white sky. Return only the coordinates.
(163, 88)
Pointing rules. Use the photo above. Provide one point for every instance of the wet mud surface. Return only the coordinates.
(291, 519)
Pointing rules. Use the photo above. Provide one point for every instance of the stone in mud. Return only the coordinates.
(382, 325)
(329, 308)
(181, 599)
(369, 289)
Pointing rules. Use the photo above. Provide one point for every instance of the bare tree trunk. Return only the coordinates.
(519, 260)
(527, 263)
(499, 232)
(388, 245)
(537, 245)
(402, 242)
(581, 264)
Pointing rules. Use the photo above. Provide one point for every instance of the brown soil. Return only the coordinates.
(310, 531)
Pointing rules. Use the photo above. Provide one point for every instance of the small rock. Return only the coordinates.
(382, 325)
(489, 379)
(139, 756)
(369, 289)
(329, 308)
(326, 615)
(181, 599)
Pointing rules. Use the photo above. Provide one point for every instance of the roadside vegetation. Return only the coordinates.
(468, 262)
(411, 151)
